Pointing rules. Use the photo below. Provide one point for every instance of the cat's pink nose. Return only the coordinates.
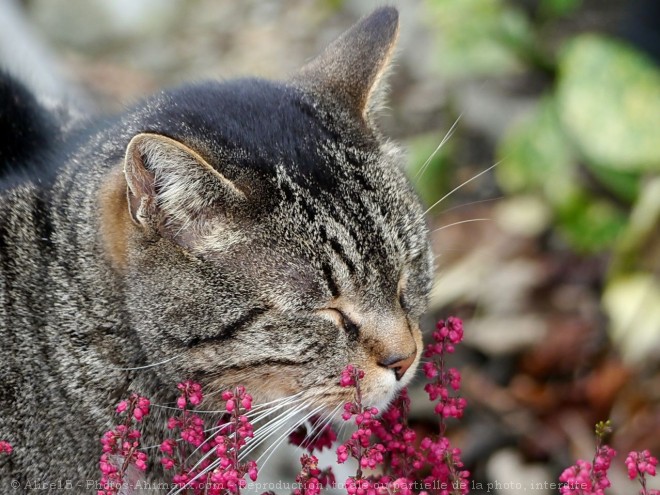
(400, 364)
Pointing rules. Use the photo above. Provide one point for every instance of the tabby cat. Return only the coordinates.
(245, 232)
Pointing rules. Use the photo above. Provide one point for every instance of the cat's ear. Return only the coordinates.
(351, 69)
(171, 184)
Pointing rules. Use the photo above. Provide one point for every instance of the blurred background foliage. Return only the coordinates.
(544, 196)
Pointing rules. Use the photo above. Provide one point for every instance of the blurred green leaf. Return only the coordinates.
(609, 101)
(638, 248)
(590, 224)
(622, 183)
(536, 156)
(478, 37)
(558, 8)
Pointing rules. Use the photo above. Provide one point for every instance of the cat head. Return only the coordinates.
(266, 233)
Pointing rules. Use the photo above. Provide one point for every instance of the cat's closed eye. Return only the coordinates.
(342, 320)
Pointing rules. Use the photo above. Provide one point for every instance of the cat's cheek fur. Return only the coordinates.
(115, 221)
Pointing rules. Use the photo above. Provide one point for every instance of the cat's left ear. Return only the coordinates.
(351, 70)
(172, 186)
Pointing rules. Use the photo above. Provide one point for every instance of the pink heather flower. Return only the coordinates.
(136, 406)
(577, 479)
(429, 370)
(252, 470)
(639, 463)
(359, 445)
(399, 440)
(5, 447)
(350, 375)
(309, 478)
(402, 486)
(446, 336)
(342, 454)
(445, 463)
(191, 392)
(138, 414)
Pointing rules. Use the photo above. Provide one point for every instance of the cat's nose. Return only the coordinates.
(399, 364)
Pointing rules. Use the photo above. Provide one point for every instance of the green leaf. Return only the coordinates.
(639, 244)
(590, 225)
(477, 37)
(535, 156)
(622, 183)
(609, 101)
(558, 8)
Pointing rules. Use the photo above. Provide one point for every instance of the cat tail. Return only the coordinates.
(27, 128)
(37, 105)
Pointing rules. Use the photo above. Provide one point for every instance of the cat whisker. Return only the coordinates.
(317, 429)
(255, 408)
(151, 365)
(419, 174)
(286, 415)
(341, 430)
(285, 402)
(459, 187)
(258, 417)
(283, 418)
(284, 435)
(269, 429)
(278, 400)
(457, 207)
(461, 222)
(255, 412)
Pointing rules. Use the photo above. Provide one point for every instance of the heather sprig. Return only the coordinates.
(190, 437)
(447, 469)
(584, 478)
(640, 464)
(359, 445)
(402, 458)
(219, 470)
(121, 445)
(443, 381)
